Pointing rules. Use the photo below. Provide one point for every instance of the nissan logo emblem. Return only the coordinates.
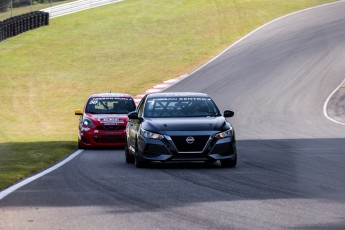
(190, 140)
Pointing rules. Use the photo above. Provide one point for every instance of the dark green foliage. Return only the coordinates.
(18, 3)
(4, 5)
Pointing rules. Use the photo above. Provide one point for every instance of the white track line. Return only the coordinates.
(13, 188)
(326, 104)
(35, 177)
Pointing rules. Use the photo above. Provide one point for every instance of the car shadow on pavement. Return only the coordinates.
(267, 169)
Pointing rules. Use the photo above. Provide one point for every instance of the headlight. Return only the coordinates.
(87, 122)
(227, 133)
(151, 135)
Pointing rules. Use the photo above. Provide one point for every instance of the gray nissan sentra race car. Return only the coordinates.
(179, 127)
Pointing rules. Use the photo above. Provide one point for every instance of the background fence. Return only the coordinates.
(11, 8)
(39, 14)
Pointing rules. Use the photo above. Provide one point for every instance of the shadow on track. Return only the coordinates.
(267, 169)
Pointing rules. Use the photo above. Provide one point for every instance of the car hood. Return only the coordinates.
(108, 119)
(166, 125)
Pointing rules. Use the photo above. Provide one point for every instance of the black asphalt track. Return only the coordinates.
(291, 169)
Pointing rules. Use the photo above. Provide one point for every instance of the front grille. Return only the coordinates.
(111, 127)
(109, 138)
(197, 146)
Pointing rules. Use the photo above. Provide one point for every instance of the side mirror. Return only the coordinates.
(78, 112)
(133, 115)
(228, 113)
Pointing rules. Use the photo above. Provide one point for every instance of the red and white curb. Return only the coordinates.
(160, 87)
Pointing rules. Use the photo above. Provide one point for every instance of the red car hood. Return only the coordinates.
(108, 119)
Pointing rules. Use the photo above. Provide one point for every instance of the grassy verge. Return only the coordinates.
(124, 47)
(19, 159)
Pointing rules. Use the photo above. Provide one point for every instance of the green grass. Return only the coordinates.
(15, 165)
(125, 47)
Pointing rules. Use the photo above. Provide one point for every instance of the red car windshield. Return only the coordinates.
(110, 105)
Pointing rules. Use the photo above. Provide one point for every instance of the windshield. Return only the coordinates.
(180, 107)
(110, 105)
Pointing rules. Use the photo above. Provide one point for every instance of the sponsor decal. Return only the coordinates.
(95, 100)
(107, 115)
(180, 99)
(110, 120)
(85, 129)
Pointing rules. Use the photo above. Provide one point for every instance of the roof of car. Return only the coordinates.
(110, 95)
(177, 94)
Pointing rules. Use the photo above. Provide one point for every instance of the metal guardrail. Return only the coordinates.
(76, 6)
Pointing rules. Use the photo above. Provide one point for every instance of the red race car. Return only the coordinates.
(103, 122)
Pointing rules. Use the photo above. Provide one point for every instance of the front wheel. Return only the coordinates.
(140, 163)
(80, 146)
(128, 156)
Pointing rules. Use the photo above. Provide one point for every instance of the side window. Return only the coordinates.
(140, 107)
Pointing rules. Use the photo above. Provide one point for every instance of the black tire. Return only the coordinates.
(211, 161)
(80, 146)
(229, 163)
(129, 157)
